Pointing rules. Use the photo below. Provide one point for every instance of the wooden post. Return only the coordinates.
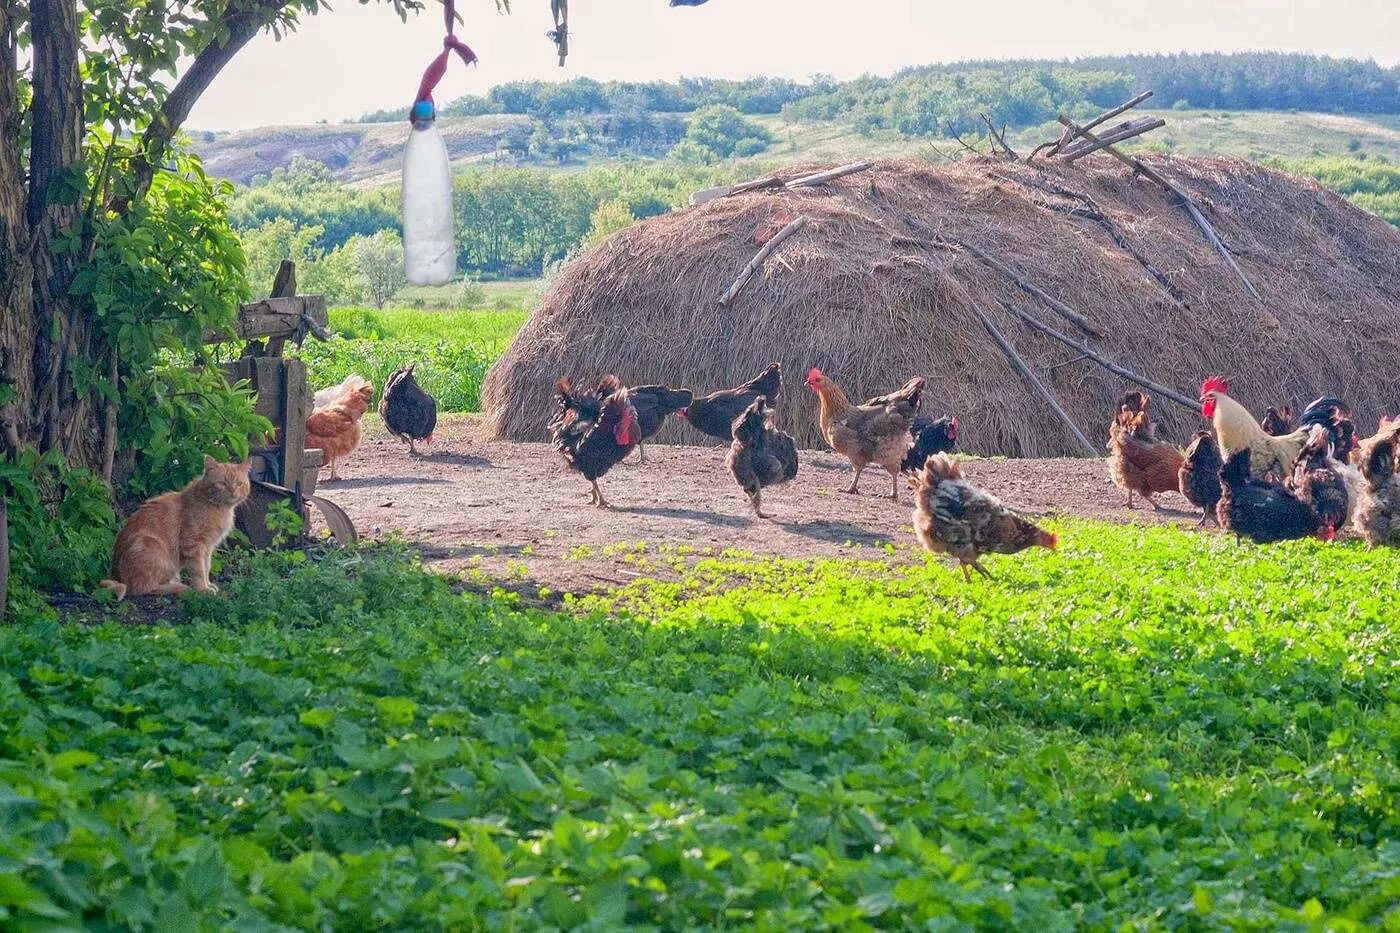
(1104, 361)
(1031, 377)
(792, 227)
(295, 404)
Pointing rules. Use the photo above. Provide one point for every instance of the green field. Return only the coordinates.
(1147, 729)
(505, 295)
(1253, 134)
(452, 349)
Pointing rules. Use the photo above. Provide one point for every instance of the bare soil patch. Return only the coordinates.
(511, 513)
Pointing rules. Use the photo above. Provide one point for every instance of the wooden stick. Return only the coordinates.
(792, 227)
(1031, 377)
(1117, 135)
(1139, 166)
(1055, 304)
(818, 178)
(1000, 138)
(1104, 361)
(1076, 131)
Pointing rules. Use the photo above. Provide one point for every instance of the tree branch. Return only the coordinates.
(241, 26)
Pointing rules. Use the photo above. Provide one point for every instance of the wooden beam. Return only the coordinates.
(792, 227)
(1118, 134)
(273, 318)
(1076, 131)
(1040, 388)
(1105, 362)
(1055, 304)
(819, 178)
(1142, 168)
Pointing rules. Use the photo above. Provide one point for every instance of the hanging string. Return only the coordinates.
(438, 66)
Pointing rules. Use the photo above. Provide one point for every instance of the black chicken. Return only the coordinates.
(593, 430)
(931, 436)
(1321, 481)
(760, 455)
(1277, 423)
(716, 413)
(1259, 510)
(652, 404)
(1199, 475)
(407, 411)
(1335, 416)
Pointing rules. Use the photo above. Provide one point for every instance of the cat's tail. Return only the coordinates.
(116, 587)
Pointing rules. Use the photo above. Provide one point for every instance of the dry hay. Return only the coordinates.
(861, 294)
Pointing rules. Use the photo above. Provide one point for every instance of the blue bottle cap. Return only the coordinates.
(423, 110)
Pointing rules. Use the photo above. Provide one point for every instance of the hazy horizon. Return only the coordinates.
(646, 40)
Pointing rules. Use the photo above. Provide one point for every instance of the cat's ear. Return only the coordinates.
(209, 463)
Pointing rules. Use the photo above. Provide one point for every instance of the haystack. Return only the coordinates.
(873, 290)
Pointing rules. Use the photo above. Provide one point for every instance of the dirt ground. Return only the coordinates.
(514, 513)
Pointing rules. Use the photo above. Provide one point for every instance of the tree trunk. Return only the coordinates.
(65, 416)
(16, 271)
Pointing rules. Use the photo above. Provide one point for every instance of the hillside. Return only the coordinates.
(354, 152)
(368, 153)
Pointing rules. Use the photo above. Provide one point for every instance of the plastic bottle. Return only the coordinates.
(429, 251)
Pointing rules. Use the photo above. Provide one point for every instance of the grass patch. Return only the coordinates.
(348, 743)
(453, 349)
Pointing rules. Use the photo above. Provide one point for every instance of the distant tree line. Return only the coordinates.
(1021, 92)
(511, 221)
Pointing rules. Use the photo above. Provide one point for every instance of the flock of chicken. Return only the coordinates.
(1274, 481)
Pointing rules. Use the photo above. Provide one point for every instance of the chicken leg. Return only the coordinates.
(894, 487)
(412, 447)
(756, 497)
(598, 499)
(855, 482)
(975, 565)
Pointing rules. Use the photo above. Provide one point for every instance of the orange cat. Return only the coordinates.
(178, 530)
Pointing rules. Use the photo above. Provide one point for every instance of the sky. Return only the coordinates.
(356, 58)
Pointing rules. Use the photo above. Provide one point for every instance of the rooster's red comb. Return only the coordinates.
(813, 373)
(1215, 384)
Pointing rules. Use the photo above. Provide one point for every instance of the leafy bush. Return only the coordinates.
(61, 527)
(470, 294)
(717, 132)
(346, 743)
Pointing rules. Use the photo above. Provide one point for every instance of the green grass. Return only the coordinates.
(452, 349)
(503, 295)
(1147, 729)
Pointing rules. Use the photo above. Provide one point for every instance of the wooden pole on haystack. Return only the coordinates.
(1137, 165)
(792, 227)
(1103, 361)
(1040, 388)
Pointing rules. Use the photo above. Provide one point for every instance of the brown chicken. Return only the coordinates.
(1137, 463)
(334, 428)
(876, 432)
(1377, 517)
(1199, 478)
(953, 517)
